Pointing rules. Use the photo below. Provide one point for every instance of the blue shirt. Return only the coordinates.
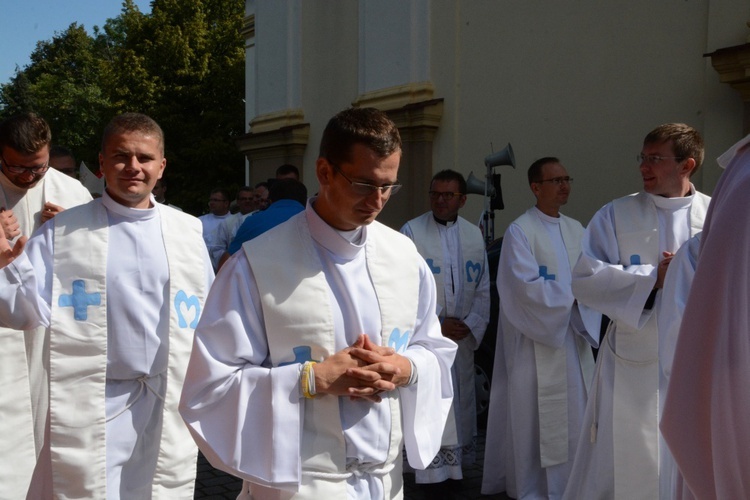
(260, 222)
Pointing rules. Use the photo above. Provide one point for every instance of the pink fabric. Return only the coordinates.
(706, 420)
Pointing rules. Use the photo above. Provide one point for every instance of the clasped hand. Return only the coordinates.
(363, 370)
(7, 253)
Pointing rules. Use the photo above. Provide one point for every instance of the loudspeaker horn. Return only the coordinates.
(502, 157)
(476, 186)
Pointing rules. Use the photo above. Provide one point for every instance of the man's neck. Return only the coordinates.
(444, 222)
(549, 211)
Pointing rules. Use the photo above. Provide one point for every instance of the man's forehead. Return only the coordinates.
(668, 144)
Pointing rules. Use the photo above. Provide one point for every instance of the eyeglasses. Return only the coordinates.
(447, 195)
(656, 159)
(557, 181)
(366, 189)
(40, 169)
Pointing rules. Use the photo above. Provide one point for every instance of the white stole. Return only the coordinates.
(78, 352)
(427, 240)
(299, 326)
(551, 363)
(636, 371)
(23, 380)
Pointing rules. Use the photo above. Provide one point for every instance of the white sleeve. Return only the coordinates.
(26, 284)
(244, 415)
(425, 405)
(603, 285)
(537, 307)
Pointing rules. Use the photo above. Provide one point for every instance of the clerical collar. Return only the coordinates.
(131, 213)
(547, 218)
(446, 223)
(345, 244)
(675, 202)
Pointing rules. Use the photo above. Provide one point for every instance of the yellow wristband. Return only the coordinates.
(307, 380)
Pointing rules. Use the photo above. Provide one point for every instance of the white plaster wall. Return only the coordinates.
(584, 81)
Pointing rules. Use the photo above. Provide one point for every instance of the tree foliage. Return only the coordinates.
(182, 64)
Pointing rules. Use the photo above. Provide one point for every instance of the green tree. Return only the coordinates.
(182, 64)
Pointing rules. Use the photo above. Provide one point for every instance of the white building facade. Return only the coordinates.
(583, 81)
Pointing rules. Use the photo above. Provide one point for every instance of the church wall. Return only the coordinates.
(584, 81)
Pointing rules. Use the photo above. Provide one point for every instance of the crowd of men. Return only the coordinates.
(332, 354)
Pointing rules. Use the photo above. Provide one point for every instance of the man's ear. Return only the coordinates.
(689, 166)
(323, 171)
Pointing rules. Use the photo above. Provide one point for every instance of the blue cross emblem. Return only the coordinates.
(543, 273)
(302, 354)
(431, 264)
(79, 300)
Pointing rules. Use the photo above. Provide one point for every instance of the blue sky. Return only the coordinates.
(25, 22)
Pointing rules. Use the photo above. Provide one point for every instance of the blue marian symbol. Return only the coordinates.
(635, 260)
(190, 303)
(543, 273)
(473, 277)
(431, 264)
(79, 300)
(399, 340)
(302, 354)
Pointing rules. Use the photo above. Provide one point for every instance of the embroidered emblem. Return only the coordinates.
(79, 300)
(543, 273)
(399, 341)
(635, 260)
(190, 303)
(473, 270)
(302, 354)
(435, 269)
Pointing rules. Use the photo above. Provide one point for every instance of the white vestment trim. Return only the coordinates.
(23, 378)
(633, 348)
(425, 234)
(551, 364)
(283, 289)
(433, 242)
(78, 352)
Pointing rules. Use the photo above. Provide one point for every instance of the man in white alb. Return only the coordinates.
(218, 206)
(227, 229)
(308, 379)
(548, 351)
(119, 283)
(30, 194)
(454, 250)
(627, 248)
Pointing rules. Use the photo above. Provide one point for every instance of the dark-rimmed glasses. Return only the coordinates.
(446, 195)
(15, 169)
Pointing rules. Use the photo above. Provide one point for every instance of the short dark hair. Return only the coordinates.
(261, 184)
(245, 189)
(451, 175)
(57, 151)
(687, 142)
(133, 122)
(287, 169)
(535, 170)
(27, 133)
(223, 192)
(288, 189)
(367, 126)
